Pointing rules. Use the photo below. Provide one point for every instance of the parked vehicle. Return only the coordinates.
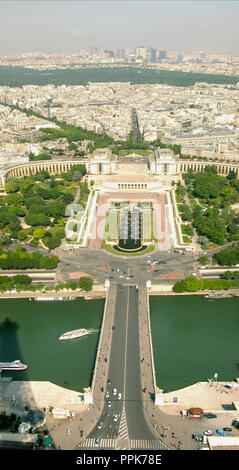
(227, 429)
(210, 415)
(197, 437)
(221, 432)
(207, 432)
(195, 413)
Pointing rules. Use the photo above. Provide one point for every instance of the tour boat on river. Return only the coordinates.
(15, 365)
(76, 333)
(54, 299)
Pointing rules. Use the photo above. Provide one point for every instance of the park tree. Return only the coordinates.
(52, 242)
(37, 219)
(227, 257)
(39, 232)
(85, 283)
(12, 186)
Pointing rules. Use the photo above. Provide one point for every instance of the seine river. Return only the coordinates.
(29, 331)
(193, 338)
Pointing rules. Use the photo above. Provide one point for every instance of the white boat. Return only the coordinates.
(76, 333)
(54, 299)
(15, 365)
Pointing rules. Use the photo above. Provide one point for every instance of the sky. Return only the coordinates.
(57, 26)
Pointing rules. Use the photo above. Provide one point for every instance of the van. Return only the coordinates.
(204, 440)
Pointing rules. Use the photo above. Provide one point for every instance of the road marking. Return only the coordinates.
(123, 428)
(123, 444)
(90, 442)
(126, 336)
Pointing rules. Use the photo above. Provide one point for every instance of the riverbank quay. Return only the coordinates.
(167, 289)
(95, 293)
(211, 396)
(15, 395)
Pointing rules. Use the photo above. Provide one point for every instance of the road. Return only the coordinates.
(124, 375)
(120, 269)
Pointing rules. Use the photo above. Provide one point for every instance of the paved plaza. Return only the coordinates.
(161, 222)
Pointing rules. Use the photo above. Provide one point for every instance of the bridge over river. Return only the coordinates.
(124, 341)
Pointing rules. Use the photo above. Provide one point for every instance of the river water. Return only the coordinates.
(29, 331)
(193, 338)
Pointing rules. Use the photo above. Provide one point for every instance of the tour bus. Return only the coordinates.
(195, 413)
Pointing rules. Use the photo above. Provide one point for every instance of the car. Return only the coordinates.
(109, 381)
(114, 391)
(100, 425)
(109, 404)
(207, 432)
(210, 415)
(235, 423)
(227, 429)
(97, 442)
(221, 432)
(119, 396)
(197, 437)
(116, 417)
(107, 395)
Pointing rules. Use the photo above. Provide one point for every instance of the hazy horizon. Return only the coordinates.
(57, 26)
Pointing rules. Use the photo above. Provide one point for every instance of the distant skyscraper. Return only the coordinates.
(153, 54)
(162, 55)
(141, 52)
(109, 53)
(94, 50)
(119, 53)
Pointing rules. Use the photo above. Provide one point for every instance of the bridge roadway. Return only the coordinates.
(123, 372)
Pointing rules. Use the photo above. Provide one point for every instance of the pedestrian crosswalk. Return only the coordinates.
(103, 443)
(123, 444)
(146, 444)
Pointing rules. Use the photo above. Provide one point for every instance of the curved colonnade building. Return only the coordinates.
(162, 163)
